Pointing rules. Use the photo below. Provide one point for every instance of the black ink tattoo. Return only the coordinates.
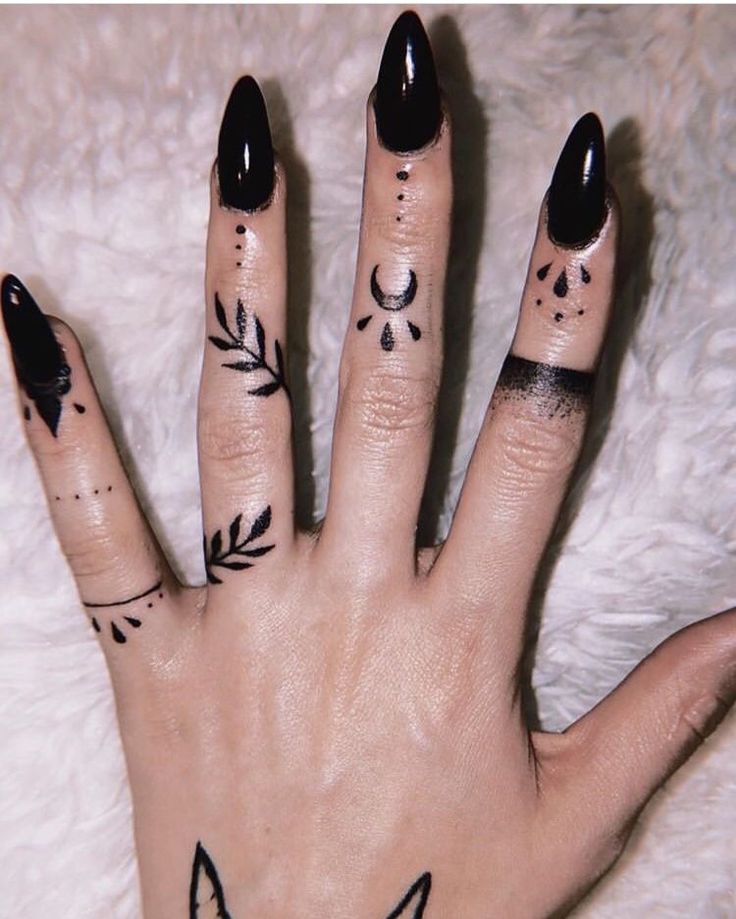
(217, 556)
(561, 286)
(145, 593)
(555, 391)
(206, 896)
(392, 303)
(134, 622)
(415, 899)
(80, 408)
(255, 352)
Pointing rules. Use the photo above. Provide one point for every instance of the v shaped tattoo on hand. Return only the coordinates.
(207, 898)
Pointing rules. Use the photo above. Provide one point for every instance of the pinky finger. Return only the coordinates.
(124, 582)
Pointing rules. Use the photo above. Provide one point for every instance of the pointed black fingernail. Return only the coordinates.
(576, 206)
(407, 102)
(39, 360)
(244, 149)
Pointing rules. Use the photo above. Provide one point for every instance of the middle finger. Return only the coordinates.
(392, 354)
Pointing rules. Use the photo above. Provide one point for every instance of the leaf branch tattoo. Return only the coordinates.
(254, 353)
(219, 556)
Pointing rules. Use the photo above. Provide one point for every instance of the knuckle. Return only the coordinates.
(534, 449)
(239, 439)
(391, 401)
(92, 553)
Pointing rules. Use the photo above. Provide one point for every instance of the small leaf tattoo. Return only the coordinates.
(217, 556)
(206, 896)
(254, 358)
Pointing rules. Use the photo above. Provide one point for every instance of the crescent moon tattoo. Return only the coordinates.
(393, 302)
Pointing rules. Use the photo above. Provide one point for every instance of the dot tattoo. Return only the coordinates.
(240, 229)
(79, 408)
(219, 556)
(254, 358)
(392, 303)
(413, 903)
(402, 175)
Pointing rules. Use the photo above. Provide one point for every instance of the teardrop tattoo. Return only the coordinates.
(39, 360)
(392, 303)
(254, 352)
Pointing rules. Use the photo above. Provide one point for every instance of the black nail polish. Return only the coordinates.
(39, 360)
(407, 101)
(244, 149)
(576, 206)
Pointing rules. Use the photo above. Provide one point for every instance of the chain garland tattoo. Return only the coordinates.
(207, 897)
(134, 622)
(217, 556)
(255, 352)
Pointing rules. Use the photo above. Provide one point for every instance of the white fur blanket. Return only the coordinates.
(108, 131)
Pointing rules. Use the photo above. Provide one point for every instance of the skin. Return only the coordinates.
(344, 715)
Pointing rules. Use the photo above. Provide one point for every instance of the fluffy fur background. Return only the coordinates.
(109, 126)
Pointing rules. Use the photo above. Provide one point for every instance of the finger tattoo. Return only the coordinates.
(554, 391)
(252, 345)
(230, 556)
(117, 629)
(392, 303)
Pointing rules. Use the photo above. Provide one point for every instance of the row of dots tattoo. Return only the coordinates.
(207, 895)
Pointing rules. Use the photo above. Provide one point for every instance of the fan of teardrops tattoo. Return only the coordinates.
(207, 897)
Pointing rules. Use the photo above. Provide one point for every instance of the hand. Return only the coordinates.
(332, 726)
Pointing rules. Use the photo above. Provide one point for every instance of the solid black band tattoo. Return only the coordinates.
(206, 896)
(557, 391)
(392, 303)
(255, 351)
(415, 898)
(145, 593)
(217, 556)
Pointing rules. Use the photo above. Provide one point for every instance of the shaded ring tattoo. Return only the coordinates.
(557, 391)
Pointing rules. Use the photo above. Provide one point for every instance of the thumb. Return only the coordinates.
(617, 755)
